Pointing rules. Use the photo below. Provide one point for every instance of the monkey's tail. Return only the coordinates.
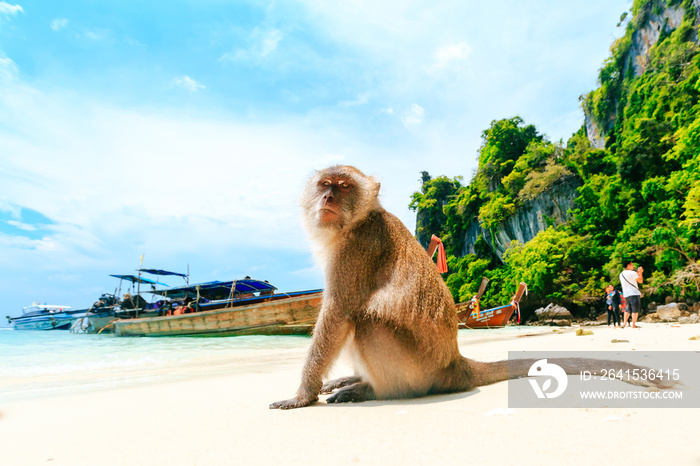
(487, 373)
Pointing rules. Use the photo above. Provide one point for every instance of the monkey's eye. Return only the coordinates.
(344, 184)
(326, 183)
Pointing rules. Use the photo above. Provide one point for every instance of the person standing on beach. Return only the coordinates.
(630, 279)
(612, 299)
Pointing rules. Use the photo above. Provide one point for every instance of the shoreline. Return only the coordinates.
(224, 419)
(223, 356)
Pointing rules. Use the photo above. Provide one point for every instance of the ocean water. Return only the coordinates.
(48, 363)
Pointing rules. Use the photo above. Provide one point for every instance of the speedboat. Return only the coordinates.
(45, 317)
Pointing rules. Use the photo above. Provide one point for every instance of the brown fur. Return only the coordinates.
(384, 299)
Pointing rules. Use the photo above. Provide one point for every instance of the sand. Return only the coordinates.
(226, 421)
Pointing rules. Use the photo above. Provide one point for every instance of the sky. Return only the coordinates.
(183, 131)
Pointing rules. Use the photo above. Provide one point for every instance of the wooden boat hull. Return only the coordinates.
(283, 316)
(489, 318)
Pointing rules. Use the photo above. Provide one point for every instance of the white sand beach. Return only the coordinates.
(225, 420)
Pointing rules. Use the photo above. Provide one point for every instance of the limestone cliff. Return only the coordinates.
(549, 208)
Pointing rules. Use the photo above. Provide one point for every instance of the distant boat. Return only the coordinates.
(45, 317)
(132, 304)
(471, 316)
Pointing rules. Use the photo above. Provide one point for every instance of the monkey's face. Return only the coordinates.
(338, 196)
(336, 200)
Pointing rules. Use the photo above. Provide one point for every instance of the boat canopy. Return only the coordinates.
(135, 279)
(163, 272)
(46, 307)
(216, 290)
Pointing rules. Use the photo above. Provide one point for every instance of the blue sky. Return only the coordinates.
(184, 130)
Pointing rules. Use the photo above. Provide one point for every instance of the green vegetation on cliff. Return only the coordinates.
(639, 198)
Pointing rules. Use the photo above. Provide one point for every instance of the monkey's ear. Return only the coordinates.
(375, 185)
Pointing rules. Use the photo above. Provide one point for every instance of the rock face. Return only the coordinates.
(655, 21)
(595, 135)
(549, 208)
(644, 38)
(473, 232)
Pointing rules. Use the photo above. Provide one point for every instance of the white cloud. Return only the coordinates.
(8, 68)
(361, 100)
(269, 42)
(185, 182)
(262, 43)
(185, 186)
(133, 42)
(21, 226)
(235, 56)
(6, 206)
(8, 9)
(95, 35)
(413, 116)
(189, 83)
(59, 23)
(450, 56)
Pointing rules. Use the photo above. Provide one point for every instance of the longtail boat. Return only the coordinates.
(470, 315)
(239, 307)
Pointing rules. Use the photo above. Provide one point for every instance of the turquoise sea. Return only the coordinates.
(38, 364)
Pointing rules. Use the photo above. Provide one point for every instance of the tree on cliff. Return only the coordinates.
(429, 204)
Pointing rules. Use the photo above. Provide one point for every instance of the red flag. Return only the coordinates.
(442, 257)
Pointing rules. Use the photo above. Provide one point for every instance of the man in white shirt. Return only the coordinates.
(630, 279)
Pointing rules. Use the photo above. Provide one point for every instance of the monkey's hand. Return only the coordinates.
(296, 402)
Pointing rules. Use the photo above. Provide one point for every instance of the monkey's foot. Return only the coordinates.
(352, 394)
(292, 404)
(329, 387)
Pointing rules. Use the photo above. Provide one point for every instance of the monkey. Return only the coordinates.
(385, 302)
